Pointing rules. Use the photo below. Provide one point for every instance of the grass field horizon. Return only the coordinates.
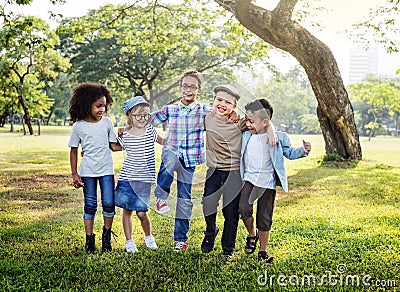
(337, 229)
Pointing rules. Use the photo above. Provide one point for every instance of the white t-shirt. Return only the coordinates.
(94, 139)
(139, 164)
(258, 165)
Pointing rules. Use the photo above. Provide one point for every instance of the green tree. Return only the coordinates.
(380, 98)
(140, 47)
(292, 98)
(381, 26)
(27, 60)
(60, 91)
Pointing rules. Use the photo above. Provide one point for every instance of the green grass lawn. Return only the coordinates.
(339, 225)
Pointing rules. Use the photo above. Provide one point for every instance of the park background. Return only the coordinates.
(338, 225)
(336, 229)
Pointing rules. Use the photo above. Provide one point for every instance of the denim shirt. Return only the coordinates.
(280, 150)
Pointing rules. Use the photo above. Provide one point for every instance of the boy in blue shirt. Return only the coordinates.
(262, 169)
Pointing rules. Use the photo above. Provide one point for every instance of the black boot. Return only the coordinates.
(208, 242)
(90, 243)
(106, 240)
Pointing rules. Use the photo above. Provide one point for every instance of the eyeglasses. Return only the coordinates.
(139, 117)
(191, 87)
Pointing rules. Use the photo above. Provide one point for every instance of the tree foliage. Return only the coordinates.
(374, 100)
(293, 101)
(381, 26)
(139, 47)
(27, 61)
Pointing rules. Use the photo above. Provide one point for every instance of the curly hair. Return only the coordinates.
(83, 96)
(194, 74)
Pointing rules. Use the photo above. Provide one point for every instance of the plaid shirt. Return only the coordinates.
(185, 131)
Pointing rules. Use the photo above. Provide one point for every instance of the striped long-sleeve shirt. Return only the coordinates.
(185, 130)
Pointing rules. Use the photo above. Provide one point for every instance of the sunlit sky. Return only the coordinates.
(340, 15)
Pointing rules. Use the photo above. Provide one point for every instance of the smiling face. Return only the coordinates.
(97, 110)
(224, 103)
(139, 116)
(255, 124)
(189, 88)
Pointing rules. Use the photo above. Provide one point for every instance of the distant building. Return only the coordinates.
(361, 63)
(373, 61)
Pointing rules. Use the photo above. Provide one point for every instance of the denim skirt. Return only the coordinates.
(133, 195)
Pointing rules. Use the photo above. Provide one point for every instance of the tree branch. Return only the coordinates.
(284, 9)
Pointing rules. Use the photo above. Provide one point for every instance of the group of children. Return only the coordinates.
(244, 159)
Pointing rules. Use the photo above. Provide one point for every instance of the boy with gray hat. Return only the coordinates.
(223, 145)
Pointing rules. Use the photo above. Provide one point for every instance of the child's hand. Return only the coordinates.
(307, 146)
(272, 138)
(233, 117)
(77, 181)
(122, 129)
(121, 132)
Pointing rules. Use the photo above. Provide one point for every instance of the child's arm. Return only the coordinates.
(73, 161)
(159, 117)
(272, 138)
(115, 146)
(160, 140)
(290, 152)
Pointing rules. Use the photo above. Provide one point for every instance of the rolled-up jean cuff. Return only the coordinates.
(88, 216)
(108, 214)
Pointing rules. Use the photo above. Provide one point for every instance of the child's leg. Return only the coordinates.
(90, 200)
(264, 236)
(127, 223)
(145, 222)
(265, 210)
(90, 208)
(107, 199)
(108, 204)
(165, 176)
(184, 204)
(89, 226)
(212, 194)
(231, 197)
(246, 209)
(108, 221)
(246, 213)
(146, 225)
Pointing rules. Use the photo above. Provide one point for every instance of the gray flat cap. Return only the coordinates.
(228, 89)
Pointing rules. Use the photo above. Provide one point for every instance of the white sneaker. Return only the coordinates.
(150, 242)
(131, 246)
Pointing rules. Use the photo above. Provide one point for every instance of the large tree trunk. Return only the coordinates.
(334, 110)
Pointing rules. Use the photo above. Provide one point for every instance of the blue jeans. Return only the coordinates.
(90, 196)
(170, 163)
(228, 185)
